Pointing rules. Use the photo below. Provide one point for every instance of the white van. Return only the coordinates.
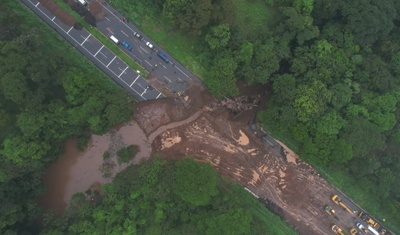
(114, 39)
(83, 2)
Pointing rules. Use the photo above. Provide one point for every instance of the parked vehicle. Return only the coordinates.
(149, 45)
(114, 39)
(138, 35)
(125, 44)
(162, 56)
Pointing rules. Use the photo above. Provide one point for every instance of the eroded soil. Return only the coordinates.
(291, 188)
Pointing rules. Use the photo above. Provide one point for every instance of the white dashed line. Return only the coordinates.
(144, 49)
(163, 66)
(107, 18)
(134, 80)
(98, 51)
(144, 91)
(180, 79)
(123, 71)
(92, 54)
(111, 61)
(53, 18)
(167, 79)
(182, 71)
(70, 30)
(85, 40)
(148, 62)
(124, 33)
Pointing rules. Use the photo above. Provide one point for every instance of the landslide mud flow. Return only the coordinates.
(288, 186)
(78, 171)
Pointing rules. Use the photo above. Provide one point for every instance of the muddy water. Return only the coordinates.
(77, 171)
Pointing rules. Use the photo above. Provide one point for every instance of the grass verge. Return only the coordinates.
(103, 39)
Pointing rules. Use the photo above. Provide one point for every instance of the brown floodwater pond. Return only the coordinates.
(78, 171)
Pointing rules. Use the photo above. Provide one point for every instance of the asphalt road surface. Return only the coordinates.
(173, 75)
(96, 52)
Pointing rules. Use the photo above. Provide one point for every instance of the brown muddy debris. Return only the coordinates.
(208, 132)
(60, 13)
(78, 171)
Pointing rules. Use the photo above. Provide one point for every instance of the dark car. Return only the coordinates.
(129, 47)
(138, 35)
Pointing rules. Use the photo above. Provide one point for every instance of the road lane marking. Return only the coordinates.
(158, 95)
(111, 61)
(135, 80)
(98, 51)
(53, 18)
(36, 4)
(92, 54)
(70, 30)
(143, 49)
(167, 79)
(144, 91)
(148, 62)
(107, 18)
(163, 66)
(182, 71)
(103, 54)
(123, 71)
(180, 79)
(85, 40)
(124, 33)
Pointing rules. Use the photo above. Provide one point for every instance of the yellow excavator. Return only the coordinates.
(353, 231)
(337, 230)
(336, 199)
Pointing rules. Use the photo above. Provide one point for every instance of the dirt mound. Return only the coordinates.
(60, 13)
(155, 113)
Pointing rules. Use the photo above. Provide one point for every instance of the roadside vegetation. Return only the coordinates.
(334, 78)
(126, 154)
(48, 93)
(167, 197)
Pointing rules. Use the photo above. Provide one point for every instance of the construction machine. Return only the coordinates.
(336, 199)
(370, 221)
(353, 231)
(331, 211)
(337, 230)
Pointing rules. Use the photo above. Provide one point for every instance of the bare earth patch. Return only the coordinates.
(288, 186)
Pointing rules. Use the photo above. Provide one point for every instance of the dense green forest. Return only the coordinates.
(333, 67)
(166, 197)
(48, 93)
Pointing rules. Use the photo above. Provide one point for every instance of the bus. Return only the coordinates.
(162, 56)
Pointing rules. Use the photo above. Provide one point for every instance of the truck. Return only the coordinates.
(337, 230)
(364, 216)
(362, 229)
(336, 199)
(373, 230)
